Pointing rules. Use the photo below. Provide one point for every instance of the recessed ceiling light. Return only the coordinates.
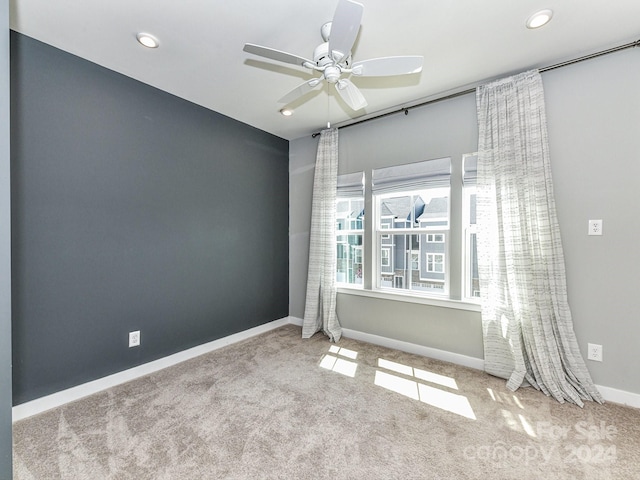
(539, 19)
(287, 112)
(148, 40)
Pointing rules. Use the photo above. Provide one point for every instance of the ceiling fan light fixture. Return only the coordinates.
(333, 59)
(147, 40)
(539, 18)
(287, 112)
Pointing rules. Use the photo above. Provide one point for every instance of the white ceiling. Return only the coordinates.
(201, 58)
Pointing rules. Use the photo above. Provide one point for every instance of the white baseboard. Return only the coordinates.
(57, 399)
(296, 321)
(622, 397)
(610, 394)
(403, 346)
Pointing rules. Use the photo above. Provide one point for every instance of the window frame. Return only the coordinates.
(456, 296)
(350, 232)
(469, 229)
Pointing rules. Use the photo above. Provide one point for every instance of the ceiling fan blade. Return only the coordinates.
(344, 28)
(350, 94)
(300, 90)
(274, 54)
(387, 66)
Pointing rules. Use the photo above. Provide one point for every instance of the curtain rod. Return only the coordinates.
(472, 90)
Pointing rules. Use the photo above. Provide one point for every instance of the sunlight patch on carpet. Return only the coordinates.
(395, 367)
(345, 352)
(508, 399)
(517, 402)
(518, 423)
(403, 386)
(418, 373)
(528, 428)
(339, 365)
(451, 402)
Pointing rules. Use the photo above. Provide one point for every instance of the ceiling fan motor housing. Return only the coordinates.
(331, 69)
(321, 55)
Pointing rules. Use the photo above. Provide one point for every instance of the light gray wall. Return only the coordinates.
(444, 129)
(5, 251)
(593, 111)
(593, 114)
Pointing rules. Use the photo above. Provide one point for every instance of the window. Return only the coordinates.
(435, 262)
(411, 225)
(385, 223)
(415, 260)
(357, 255)
(418, 248)
(385, 257)
(349, 229)
(470, 277)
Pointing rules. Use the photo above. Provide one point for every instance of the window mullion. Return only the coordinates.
(369, 244)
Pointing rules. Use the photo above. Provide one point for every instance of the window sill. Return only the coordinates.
(406, 297)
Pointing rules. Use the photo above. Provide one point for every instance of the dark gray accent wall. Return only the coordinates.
(5, 251)
(133, 210)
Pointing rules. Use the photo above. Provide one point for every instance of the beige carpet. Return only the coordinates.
(279, 407)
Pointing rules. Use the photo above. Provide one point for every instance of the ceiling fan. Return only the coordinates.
(332, 58)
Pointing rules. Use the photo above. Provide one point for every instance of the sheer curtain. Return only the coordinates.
(320, 307)
(527, 324)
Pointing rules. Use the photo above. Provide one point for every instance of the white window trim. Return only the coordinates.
(467, 231)
(408, 297)
(466, 265)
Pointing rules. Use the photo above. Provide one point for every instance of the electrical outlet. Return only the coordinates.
(595, 227)
(134, 338)
(594, 352)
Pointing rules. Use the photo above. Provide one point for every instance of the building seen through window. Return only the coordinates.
(412, 232)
